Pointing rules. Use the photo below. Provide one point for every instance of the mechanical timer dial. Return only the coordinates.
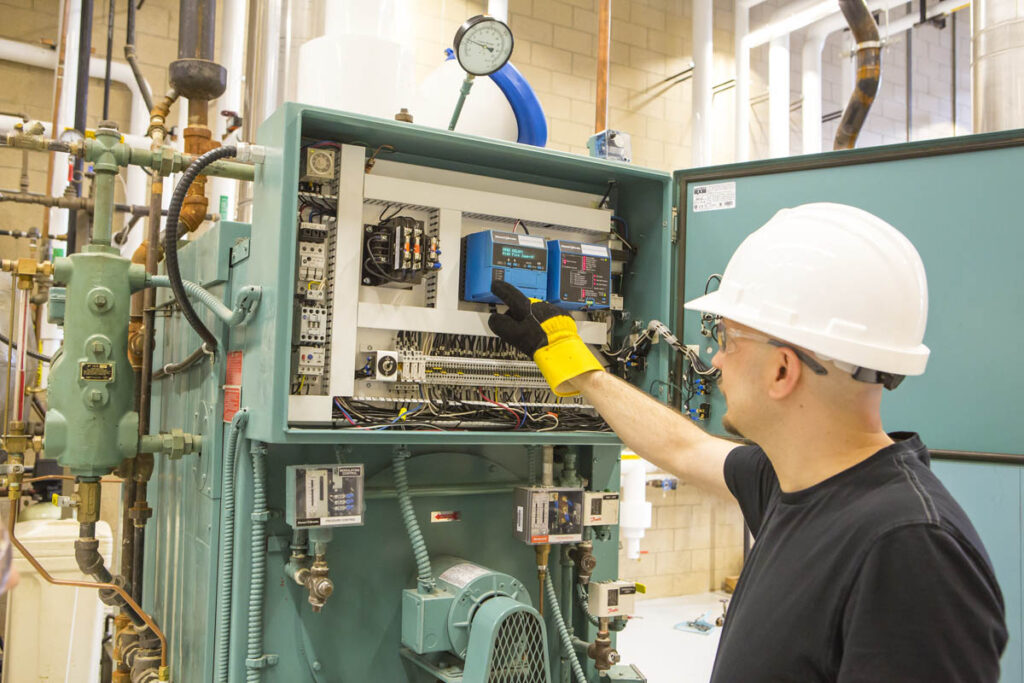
(483, 45)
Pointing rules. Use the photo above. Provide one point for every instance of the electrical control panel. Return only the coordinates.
(612, 598)
(393, 267)
(324, 495)
(520, 260)
(600, 508)
(579, 275)
(549, 515)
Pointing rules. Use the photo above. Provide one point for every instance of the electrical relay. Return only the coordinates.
(398, 252)
(520, 260)
(579, 275)
(549, 515)
(324, 495)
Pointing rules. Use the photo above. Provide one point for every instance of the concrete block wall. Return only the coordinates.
(695, 541)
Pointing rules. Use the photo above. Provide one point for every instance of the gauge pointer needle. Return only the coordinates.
(486, 47)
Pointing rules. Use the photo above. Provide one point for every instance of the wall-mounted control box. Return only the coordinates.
(600, 508)
(324, 495)
(549, 515)
(612, 598)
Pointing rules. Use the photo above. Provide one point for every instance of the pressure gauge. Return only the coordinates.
(483, 45)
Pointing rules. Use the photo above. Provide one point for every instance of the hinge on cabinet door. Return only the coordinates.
(675, 224)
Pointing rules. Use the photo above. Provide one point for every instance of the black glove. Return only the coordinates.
(544, 332)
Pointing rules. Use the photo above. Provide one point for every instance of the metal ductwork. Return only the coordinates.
(997, 64)
(869, 68)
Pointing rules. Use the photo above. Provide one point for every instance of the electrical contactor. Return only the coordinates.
(324, 495)
(398, 252)
(612, 598)
(549, 515)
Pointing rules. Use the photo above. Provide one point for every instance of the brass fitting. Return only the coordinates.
(601, 650)
(26, 270)
(15, 442)
(543, 551)
(319, 583)
(198, 140)
(583, 555)
(88, 502)
(122, 631)
(135, 342)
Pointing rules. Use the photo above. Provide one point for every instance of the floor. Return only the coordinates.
(667, 655)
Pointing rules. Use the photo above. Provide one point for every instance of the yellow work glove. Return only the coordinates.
(545, 333)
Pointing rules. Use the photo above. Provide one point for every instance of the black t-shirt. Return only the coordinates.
(873, 575)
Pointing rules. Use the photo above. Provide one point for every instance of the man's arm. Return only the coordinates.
(658, 433)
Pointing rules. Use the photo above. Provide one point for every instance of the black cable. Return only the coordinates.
(171, 240)
(607, 193)
(31, 353)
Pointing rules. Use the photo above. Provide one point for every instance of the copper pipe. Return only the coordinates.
(604, 44)
(869, 69)
(102, 586)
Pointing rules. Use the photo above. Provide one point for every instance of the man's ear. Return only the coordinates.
(786, 369)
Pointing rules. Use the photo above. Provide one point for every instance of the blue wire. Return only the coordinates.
(522, 397)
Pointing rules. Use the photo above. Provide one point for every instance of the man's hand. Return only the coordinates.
(545, 333)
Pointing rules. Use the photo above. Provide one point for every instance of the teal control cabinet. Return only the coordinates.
(360, 355)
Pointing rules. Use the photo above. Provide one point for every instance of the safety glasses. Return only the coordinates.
(723, 335)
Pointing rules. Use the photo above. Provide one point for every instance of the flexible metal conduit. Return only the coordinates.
(563, 632)
(171, 239)
(869, 66)
(227, 543)
(208, 299)
(425, 576)
(255, 660)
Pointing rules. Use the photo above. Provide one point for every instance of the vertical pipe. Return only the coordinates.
(778, 97)
(742, 104)
(910, 77)
(604, 43)
(81, 108)
(703, 65)
(110, 48)
(11, 307)
(196, 29)
(58, 84)
(811, 92)
(103, 210)
(952, 71)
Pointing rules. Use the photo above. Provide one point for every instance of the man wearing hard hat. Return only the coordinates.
(864, 568)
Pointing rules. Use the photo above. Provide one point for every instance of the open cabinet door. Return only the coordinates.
(958, 201)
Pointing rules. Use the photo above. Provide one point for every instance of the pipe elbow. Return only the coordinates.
(193, 209)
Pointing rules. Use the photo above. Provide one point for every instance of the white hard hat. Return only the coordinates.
(835, 280)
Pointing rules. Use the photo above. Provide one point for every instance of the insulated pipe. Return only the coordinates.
(703, 61)
(869, 53)
(604, 46)
(778, 97)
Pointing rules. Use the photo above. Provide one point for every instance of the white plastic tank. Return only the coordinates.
(53, 633)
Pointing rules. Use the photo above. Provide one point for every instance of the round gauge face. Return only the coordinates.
(483, 45)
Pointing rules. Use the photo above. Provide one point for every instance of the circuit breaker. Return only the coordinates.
(549, 515)
(324, 495)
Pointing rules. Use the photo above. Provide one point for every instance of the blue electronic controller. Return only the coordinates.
(579, 275)
(520, 260)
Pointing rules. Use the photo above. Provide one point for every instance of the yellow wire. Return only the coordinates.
(302, 381)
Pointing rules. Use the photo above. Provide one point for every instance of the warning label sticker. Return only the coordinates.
(461, 574)
(714, 197)
(232, 402)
